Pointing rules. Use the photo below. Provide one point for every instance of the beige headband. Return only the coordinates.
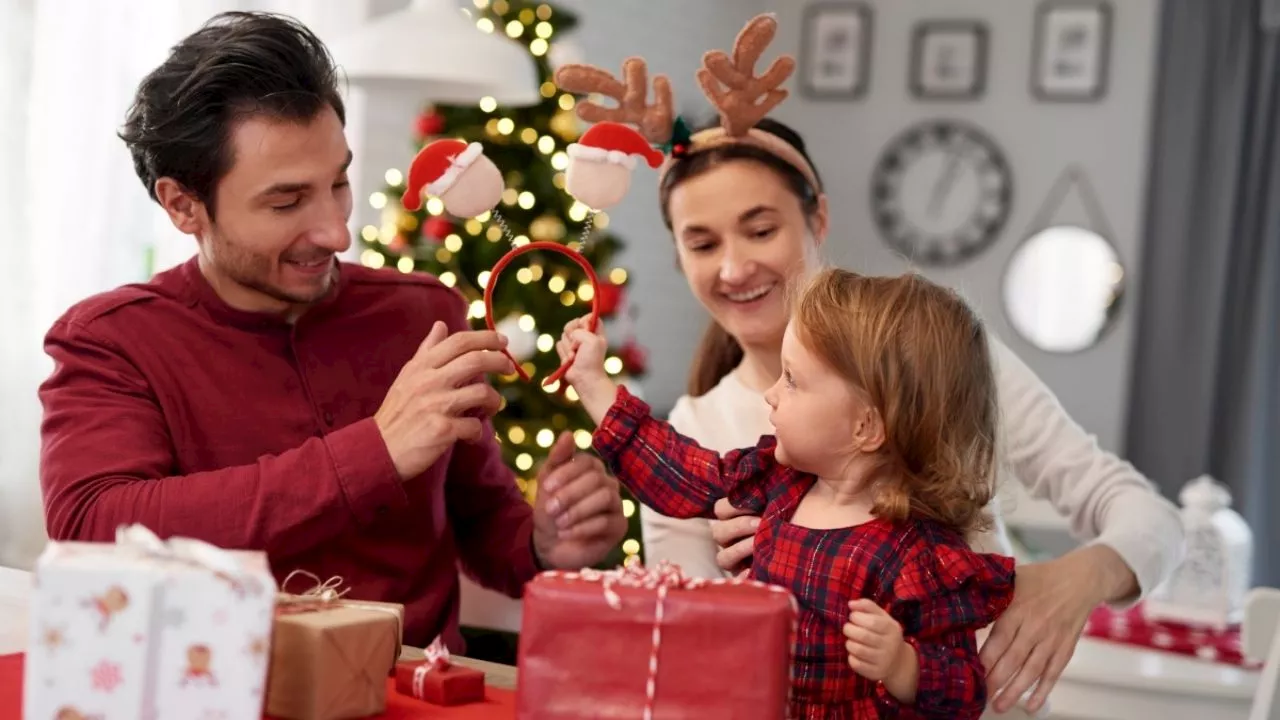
(729, 83)
(755, 137)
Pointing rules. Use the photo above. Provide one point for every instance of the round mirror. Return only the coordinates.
(1063, 287)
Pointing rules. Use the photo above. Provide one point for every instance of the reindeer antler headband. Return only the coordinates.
(729, 83)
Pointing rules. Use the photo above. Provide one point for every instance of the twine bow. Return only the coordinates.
(660, 578)
(328, 594)
(138, 538)
(436, 658)
(321, 594)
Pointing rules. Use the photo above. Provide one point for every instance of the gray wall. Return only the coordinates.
(1108, 138)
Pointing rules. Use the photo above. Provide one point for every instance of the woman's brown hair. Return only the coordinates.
(919, 354)
(718, 352)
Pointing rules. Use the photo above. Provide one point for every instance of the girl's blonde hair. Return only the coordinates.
(920, 355)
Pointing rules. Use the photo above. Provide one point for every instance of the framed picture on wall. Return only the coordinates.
(835, 52)
(1071, 50)
(949, 60)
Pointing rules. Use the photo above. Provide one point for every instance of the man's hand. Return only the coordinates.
(735, 533)
(1034, 639)
(577, 513)
(439, 397)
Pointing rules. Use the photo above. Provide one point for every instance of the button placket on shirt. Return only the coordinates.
(302, 365)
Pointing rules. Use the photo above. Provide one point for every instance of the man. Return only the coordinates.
(264, 395)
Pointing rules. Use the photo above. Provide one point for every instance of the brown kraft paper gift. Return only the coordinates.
(330, 658)
(588, 641)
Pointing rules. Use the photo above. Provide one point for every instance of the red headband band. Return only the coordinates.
(573, 255)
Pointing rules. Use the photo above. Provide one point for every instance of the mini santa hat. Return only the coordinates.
(615, 143)
(437, 167)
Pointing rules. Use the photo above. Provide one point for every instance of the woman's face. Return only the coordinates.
(741, 234)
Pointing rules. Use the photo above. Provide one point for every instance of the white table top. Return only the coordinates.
(1102, 663)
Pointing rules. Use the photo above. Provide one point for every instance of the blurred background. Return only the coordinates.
(1125, 154)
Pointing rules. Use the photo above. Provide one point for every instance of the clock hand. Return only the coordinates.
(943, 187)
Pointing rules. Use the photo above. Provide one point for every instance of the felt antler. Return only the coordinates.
(654, 121)
(745, 97)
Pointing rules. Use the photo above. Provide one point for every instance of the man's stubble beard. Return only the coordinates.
(251, 271)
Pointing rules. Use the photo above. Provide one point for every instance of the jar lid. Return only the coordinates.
(1205, 493)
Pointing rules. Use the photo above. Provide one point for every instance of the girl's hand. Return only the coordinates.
(878, 652)
(874, 641)
(585, 349)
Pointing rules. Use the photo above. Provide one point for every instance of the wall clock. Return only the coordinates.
(941, 193)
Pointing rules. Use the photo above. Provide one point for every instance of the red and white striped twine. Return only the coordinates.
(435, 657)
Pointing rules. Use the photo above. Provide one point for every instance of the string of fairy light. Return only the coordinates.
(533, 24)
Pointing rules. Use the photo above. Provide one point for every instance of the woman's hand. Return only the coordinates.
(1034, 639)
(735, 533)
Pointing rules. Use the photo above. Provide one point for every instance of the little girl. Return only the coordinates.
(881, 461)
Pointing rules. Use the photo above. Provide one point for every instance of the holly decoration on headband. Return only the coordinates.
(681, 137)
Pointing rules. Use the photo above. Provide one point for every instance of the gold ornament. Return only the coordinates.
(547, 227)
(407, 222)
(565, 124)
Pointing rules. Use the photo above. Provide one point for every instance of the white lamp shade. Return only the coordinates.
(434, 50)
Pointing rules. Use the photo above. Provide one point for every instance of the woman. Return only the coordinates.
(745, 220)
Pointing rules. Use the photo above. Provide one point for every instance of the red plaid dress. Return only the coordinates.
(923, 574)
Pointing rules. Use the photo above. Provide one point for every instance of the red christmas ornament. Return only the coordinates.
(437, 228)
(635, 359)
(610, 298)
(398, 243)
(428, 124)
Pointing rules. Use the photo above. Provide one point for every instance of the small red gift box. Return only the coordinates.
(608, 644)
(437, 681)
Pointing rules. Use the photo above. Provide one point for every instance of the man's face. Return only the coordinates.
(281, 214)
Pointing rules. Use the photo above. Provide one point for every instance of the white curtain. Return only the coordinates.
(73, 217)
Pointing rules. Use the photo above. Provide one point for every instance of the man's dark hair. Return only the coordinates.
(238, 64)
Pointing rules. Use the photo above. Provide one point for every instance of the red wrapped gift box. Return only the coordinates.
(437, 680)
(612, 644)
(1132, 627)
(448, 685)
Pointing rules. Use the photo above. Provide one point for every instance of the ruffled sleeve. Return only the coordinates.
(942, 595)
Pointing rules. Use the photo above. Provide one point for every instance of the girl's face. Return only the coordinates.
(740, 235)
(815, 412)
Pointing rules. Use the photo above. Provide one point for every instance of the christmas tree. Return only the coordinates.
(540, 291)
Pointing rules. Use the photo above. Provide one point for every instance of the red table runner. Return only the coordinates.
(1131, 627)
(498, 704)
